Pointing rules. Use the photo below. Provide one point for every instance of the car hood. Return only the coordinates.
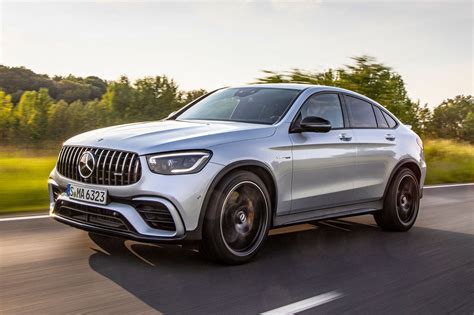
(170, 135)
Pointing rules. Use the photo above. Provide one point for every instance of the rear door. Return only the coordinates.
(323, 163)
(376, 147)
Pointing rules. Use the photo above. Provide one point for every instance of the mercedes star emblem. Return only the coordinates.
(86, 164)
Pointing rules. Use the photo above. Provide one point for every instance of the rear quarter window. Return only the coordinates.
(391, 122)
(381, 122)
(361, 114)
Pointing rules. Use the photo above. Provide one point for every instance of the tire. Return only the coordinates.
(401, 203)
(237, 220)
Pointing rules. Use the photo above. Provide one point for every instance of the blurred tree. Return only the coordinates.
(119, 98)
(39, 119)
(6, 107)
(189, 96)
(88, 103)
(59, 121)
(23, 116)
(30, 116)
(16, 80)
(156, 97)
(366, 76)
(453, 119)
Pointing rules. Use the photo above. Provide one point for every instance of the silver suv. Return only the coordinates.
(233, 164)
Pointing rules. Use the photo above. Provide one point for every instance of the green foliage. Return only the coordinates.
(37, 119)
(188, 97)
(16, 80)
(366, 76)
(29, 119)
(453, 119)
(158, 97)
(35, 109)
(6, 108)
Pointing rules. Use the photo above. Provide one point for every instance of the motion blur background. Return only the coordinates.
(72, 66)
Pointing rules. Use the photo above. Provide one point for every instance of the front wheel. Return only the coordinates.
(401, 203)
(238, 219)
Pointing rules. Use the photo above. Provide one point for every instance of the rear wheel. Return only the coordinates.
(237, 221)
(401, 203)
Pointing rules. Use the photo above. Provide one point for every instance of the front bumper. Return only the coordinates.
(180, 195)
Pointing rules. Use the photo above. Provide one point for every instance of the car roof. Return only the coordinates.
(293, 86)
(301, 87)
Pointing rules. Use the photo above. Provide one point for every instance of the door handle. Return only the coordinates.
(345, 137)
(390, 137)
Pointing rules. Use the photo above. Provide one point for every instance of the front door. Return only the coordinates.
(323, 163)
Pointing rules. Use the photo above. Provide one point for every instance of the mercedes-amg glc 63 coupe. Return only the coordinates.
(231, 165)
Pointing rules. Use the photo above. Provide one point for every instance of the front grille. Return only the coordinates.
(156, 215)
(93, 215)
(112, 167)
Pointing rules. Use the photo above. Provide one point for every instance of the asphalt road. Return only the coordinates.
(50, 268)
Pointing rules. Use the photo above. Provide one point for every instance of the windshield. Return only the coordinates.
(249, 104)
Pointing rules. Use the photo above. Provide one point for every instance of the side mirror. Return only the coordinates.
(315, 124)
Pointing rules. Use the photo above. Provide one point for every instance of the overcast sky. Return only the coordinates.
(213, 44)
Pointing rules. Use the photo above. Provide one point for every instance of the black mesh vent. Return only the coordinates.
(93, 215)
(156, 215)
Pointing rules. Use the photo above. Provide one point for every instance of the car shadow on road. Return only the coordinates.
(358, 259)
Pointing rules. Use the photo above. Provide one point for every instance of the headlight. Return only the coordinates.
(178, 163)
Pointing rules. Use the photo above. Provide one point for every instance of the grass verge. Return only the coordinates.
(23, 180)
(449, 162)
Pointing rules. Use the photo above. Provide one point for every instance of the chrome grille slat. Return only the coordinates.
(97, 174)
(135, 173)
(93, 178)
(130, 168)
(71, 168)
(68, 161)
(63, 163)
(103, 167)
(60, 164)
(116, 167)
(123, 166)
(108, 165)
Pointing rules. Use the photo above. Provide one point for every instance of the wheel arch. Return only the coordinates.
(259, 168)
(409, 163)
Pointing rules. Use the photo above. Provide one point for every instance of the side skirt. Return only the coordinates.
(328, 213)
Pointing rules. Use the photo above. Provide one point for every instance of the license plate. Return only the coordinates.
(87, 194)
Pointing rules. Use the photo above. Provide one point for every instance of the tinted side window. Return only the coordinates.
(361, 113)
(391, 122)
(381, 122)
(326, 106)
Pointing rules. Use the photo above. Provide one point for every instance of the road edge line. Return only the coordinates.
(29, 217)
(448, 185)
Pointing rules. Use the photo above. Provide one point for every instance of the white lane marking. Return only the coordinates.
(30, 217)
(305, 304)
(449, 185)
